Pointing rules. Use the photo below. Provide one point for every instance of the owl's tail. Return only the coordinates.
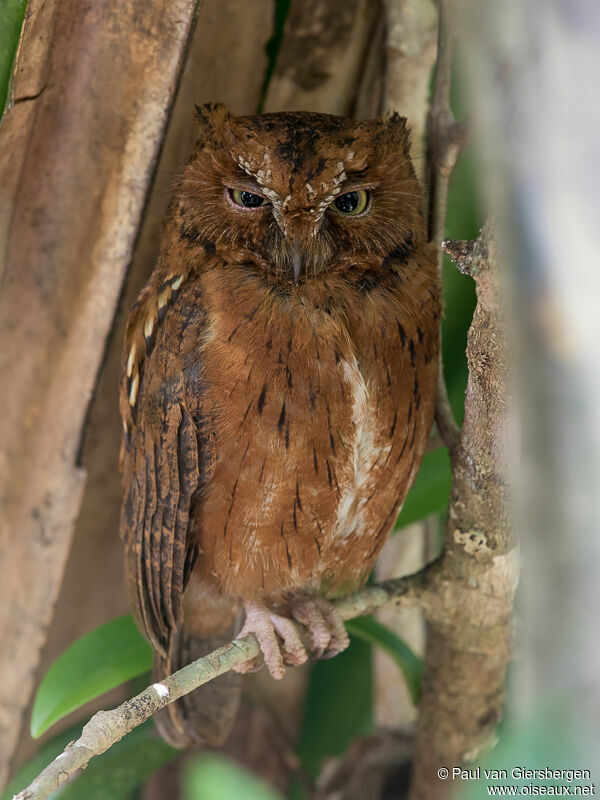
(206, 715)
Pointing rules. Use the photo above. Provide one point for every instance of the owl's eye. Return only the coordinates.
(352, 203)
(241, 197)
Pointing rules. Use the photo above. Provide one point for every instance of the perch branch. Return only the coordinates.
(446, 140)
(106, 728)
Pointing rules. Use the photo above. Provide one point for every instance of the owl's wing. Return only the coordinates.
(162, 458)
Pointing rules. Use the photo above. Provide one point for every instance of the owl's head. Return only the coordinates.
(293, 195)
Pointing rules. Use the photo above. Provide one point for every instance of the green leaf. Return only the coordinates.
(431, 491)
(370, 630)
(339, 707)
(11, 20)
(102, 659)
(213, 777)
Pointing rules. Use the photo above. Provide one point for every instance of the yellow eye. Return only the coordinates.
(352, 203)
(246, 199)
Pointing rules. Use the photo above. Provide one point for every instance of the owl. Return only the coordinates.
(277, 392)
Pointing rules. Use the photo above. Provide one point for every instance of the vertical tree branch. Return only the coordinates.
(321, 55)
(410, 51)
(446, 139)
(468, 617)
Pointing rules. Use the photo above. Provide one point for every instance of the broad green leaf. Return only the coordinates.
(339, 707)
(102, 659)
(370, 630)
(431, 491)
(212, 777)
(11, 20)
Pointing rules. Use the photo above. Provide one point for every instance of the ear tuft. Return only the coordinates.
(210, 114)
(394, 118)
(399, 129)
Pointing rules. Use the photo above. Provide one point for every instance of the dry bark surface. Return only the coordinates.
(91, 98)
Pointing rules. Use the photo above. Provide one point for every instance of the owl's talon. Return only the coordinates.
(328, 636)
(267, 627)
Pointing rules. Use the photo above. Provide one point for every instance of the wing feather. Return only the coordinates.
(163, 466)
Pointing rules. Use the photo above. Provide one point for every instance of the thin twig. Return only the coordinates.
(106, 728)
(447, 138)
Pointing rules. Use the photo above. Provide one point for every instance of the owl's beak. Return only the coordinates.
(298, 249)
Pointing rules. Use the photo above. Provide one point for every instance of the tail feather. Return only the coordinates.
(205, 716)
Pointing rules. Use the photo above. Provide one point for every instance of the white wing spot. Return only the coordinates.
(164, 297)
(148, 327)
(134, 389)
(130, 361)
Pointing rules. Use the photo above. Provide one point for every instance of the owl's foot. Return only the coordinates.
(279, 638)
(328, 635)
(267, 627)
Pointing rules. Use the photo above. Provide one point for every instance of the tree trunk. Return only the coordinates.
(91, 97)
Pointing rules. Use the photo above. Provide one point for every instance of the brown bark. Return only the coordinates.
(92, 93)
(322, 55)
(468, 607)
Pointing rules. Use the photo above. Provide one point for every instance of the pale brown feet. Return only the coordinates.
(279, 636)
(278, 639)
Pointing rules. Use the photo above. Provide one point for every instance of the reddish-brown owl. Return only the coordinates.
(277, 390)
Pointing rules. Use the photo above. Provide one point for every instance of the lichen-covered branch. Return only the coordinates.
(469, 603)
(107, 727)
